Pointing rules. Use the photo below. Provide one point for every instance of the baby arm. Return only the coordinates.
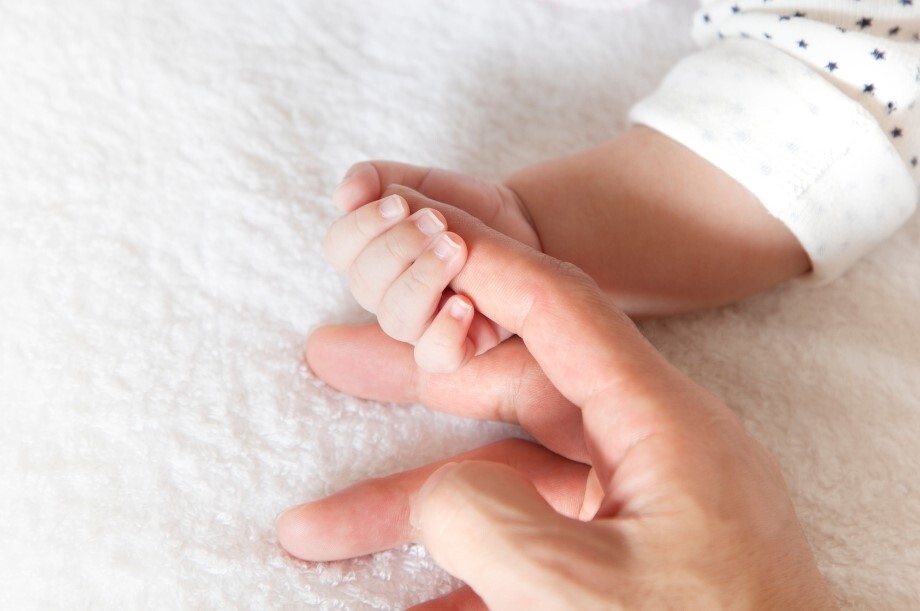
(660, 229)
(658, 244)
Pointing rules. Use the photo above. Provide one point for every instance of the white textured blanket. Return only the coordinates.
(165, 172)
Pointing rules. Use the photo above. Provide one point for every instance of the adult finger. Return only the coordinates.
(461, 599)
(488, 525)
(374, 515)
(504, 384)
(517, 286)
(588, 349)
(557, 309)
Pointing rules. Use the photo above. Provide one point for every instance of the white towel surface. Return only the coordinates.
(165, 179)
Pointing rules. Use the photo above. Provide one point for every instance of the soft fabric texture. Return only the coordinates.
(165, 174)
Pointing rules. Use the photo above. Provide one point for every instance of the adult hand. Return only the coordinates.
(680, 508)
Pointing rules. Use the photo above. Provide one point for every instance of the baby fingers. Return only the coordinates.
(388, 256)
(444, 346)
(410, 302)
(397, 266)
(352, 233)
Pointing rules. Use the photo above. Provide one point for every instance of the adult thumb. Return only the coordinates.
(486, 524)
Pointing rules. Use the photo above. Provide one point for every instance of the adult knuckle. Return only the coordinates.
(566, 283)
(567, 270)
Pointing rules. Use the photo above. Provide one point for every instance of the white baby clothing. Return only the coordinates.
(810, 104)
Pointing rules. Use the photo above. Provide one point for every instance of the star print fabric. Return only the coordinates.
(811, 105)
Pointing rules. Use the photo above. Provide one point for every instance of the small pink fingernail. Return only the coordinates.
(459, 308)
(445, 248)
(428, 223)
(391, 207)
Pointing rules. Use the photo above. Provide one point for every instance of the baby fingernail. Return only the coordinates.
(459, 308)
(445, 248)
(391, 207)
(429, 224)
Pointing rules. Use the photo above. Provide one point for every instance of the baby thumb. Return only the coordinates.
(486, 524)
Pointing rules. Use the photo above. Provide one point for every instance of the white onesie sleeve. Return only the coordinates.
(810, 105)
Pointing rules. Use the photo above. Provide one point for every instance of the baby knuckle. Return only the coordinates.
(394, 246)
(394, 323)
(444, 360)
(362, 291)
(418, 284)
(364, 225)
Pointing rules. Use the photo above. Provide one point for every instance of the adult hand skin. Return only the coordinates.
(655, 497)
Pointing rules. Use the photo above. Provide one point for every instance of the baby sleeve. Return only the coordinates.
(810, 104)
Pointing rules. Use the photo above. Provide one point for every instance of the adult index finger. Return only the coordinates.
(590, 350)
(581, 340)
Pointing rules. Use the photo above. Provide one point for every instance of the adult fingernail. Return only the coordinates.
(445, 248)
(428, 223)
(415, 518)
(391, 207)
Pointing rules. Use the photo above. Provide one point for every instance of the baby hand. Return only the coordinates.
(399, 266)
(492, 202)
